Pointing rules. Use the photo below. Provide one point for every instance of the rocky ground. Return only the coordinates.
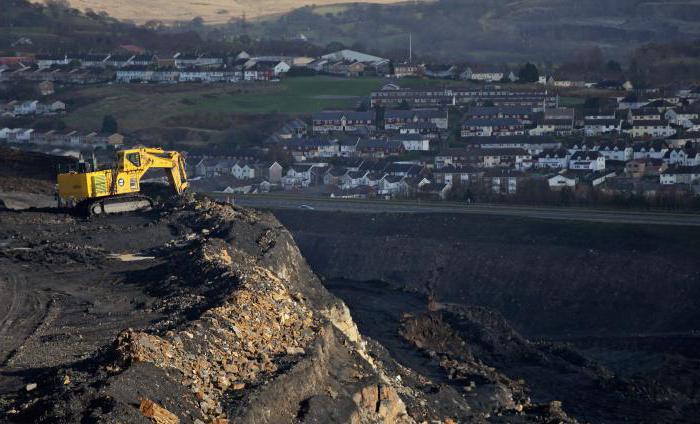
(200, 312)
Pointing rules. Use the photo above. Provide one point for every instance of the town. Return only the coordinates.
(473, 134)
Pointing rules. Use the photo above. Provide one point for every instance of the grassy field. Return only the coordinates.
(148, 106)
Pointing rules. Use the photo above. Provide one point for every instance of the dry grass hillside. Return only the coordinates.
(213, 11)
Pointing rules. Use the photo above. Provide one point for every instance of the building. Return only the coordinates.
(492, 127)
(343, 121)
(557, 159)
(600, 126)
(397, 119)
(587, 160)
(680, 175)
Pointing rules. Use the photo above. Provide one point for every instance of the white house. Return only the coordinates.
(682, 157)
(298, 176)
(415, 142)
(559, 181)
(616, 151)
(680, 175)
(587, 160)
(26, 108)
(557, 159)
(653, 129)
(649, 150)
(243, 171)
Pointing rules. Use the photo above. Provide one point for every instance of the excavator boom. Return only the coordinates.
(117, 189)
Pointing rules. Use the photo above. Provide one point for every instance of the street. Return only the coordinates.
(278, 201)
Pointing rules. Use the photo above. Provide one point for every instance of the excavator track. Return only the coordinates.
(116, 205)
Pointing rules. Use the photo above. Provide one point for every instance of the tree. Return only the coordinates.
(528, 73)
(109, 124)
(197, 22)
(613, 66)
(334, 46)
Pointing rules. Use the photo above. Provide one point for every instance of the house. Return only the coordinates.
(397, 119)
(680, 175)
(619, 151)
(556, 158)
(649, 150)
(522, 113)
(298, 176)
(20, 135)
(48, 61)
(482, 75)
(334, 175)
(433, 190)
(644, 114)
(502, 181)
(587, 160)
(393, 186)
(378, 148)
(651, 129)
(600, 126)
(632, 101)
(271, 171)
(243, 171)
(456, 176)
(414, 142)
(50, 108)
(105, 139)
(404, 169)
(682, 117)
(402, 70)
(343, 121)
(534, 145)
(572, 178)
(305, 148)
(492, 127)
(682, 157)
(26, 108)
(353, 179)
(206, 167)
(552, 127)
(559, 181)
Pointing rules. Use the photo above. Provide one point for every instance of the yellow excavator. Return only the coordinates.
(117, 188)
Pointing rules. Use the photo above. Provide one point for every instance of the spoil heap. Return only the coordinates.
(225, 323)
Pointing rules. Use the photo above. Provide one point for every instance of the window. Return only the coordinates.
(134, 158)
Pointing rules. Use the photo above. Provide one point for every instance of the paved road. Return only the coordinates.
(379, 206)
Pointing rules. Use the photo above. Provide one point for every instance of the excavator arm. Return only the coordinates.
(137, 162)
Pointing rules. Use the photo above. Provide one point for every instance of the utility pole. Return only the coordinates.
(410, 47)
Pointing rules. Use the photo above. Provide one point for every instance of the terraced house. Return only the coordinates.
(496, 127)
(343, 121)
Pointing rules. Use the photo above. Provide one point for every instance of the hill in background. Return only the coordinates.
(491, 31)
(212, 11)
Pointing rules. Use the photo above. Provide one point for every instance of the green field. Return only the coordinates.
(138, 106)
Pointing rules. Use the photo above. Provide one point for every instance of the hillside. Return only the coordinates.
(212, 11)
(492, 31)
